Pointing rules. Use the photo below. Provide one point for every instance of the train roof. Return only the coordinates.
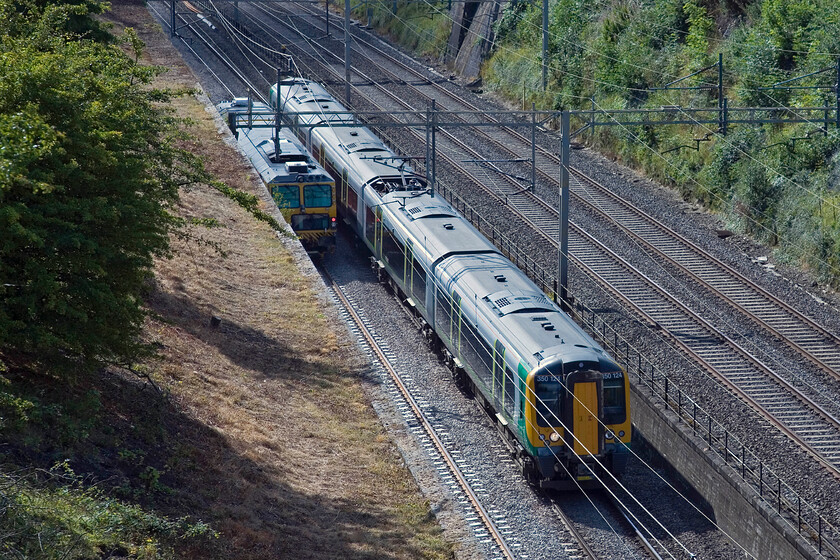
(437, 228)
(280, 162)
(533, 324)
(304, 96)
(363, 151)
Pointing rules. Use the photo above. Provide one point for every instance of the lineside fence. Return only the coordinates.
(798, 513)
(771, 489)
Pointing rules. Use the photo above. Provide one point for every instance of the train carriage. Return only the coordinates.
(559, 398)
(300, 187)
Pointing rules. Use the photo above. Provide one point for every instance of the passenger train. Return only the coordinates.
(301, 188)
(560, 400)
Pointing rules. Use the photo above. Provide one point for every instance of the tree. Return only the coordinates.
(90, 168)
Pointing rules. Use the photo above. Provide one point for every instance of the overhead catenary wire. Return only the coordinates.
(557, 36)
(713, 311)
(665, 529)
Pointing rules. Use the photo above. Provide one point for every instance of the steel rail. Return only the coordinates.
(197, 55)
(580, 540)
(439, 446)
(703, 360)
(828, 347)
(564, 519)
(646, 544)
(486, 519)
(545, 230)
(816, 448)
(453, 162)
(824, 352)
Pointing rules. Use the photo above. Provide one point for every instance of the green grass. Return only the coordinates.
(775, 183)
(55, 514)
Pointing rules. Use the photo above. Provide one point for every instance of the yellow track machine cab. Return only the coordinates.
(558, 398)
(301, 188)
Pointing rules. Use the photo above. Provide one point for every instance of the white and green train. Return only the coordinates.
(560, 399)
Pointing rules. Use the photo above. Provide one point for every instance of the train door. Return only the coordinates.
(455, 325)
(408, 271)
(498, 376)
(584, 414)
(377, 243)
(344, 187)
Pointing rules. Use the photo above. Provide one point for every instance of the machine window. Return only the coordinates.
(317, 196)
(303, 222)
(614, 406)
(286, 196)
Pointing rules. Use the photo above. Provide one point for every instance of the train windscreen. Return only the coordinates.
(615, 411)
(549, 390)
(317, 196)
(286, 196)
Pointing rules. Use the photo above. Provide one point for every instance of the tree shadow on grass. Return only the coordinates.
(243, 345)
(200, 472)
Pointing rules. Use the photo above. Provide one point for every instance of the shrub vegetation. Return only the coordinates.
(778, 183)
(89, 169)
(91, 163)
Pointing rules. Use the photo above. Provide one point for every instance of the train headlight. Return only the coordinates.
(555, 437)
(621, 433)
(609, 434)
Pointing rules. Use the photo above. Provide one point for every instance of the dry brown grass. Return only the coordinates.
(267, 434)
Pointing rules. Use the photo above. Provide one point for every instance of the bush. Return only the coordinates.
(54, 514)
(91, 168)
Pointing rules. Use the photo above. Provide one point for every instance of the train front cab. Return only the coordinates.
(594, 405)
(311, 210)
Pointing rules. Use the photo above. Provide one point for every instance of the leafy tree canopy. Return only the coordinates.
(90, 167)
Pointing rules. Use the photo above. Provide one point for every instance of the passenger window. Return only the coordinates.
(443, 320)
(419, 282)
(393, 252)
(476, 353)
(352, 199)
(370, 226)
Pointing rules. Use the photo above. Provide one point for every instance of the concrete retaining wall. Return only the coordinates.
(735, 505)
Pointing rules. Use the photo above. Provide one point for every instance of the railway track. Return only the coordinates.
(796, 413)
(484, 526)
(489, 526)
(811, 340)
(453, 468)
(536, 217)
